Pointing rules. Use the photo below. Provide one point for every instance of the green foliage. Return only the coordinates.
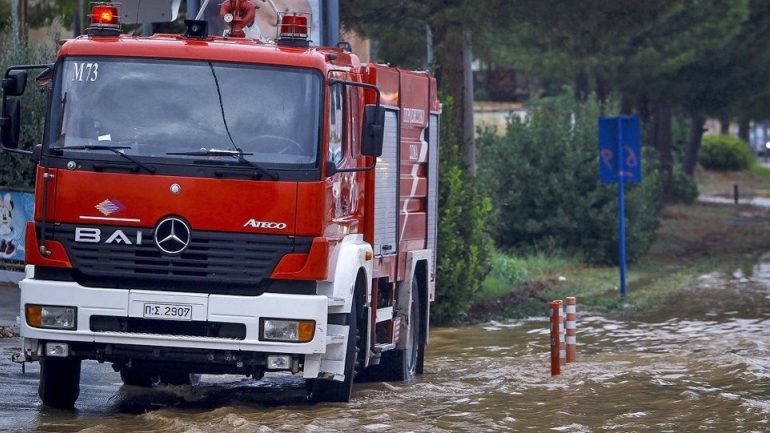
(509, 272)
(543, 178)
(725, 152)
(760, 171)
(464, 247)
(18, 170)
(684, 189)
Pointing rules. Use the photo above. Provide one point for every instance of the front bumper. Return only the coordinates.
(243, 310)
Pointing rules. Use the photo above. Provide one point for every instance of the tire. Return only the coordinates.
(59, 382)
(180, 378)
(404, 364)
(135, 376)
(332, 390)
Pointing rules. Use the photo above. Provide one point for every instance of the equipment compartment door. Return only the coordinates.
(386, 190)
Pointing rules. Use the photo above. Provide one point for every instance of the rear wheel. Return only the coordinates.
(334, 391)
(404, 364)
(59, 382)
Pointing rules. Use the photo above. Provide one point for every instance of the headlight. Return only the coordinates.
(48, 316)
(295, 331)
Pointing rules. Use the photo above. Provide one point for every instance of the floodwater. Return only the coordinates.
(701, 362)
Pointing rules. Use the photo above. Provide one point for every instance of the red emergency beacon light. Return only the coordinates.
(294, 29)
(105, 20)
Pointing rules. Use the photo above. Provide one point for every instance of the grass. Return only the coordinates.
(760, 171)
(692, 240)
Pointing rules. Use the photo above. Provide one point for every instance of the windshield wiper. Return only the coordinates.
(235, 153)
(114, 149)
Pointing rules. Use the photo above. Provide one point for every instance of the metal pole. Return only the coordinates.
(571, 325)
(202, 10)
(621, 211)
(77, 25)
(192, 8)
(332, 22)
(562, 337)
(555, 366)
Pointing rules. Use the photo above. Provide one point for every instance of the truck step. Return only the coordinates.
(383, 347)
(384, 314)
(336, 302)
(335, 339)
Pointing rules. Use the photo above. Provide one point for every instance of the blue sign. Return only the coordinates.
(16, 208)
(619, 136)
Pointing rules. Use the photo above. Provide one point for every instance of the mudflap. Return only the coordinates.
(329, 365)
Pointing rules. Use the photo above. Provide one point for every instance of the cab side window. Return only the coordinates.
(336, 123)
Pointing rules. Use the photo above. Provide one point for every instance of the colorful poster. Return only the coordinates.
(16, 208)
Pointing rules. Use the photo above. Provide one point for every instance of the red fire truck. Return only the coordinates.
(210, 205)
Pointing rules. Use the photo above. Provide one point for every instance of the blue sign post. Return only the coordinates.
(620, 161)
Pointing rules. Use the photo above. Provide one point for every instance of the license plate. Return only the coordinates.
(167, 311)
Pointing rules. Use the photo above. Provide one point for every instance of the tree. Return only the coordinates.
(644, 51)
(731, 80)
(454, 28)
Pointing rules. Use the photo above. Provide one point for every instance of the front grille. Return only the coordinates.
(214, 262)
(134, 325)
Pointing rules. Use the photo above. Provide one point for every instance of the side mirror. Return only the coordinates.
(373, 130)
(10, 123)
(15, 82)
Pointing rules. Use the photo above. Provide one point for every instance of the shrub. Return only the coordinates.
(464, 246)
(684, 189)
(543, 177)
(725, 152)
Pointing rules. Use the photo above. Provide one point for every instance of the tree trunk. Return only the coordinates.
(581, 85)
(452, 49)
(744, 126)
(469, 143)
(724, 125)
(22, 19)
(693, 146)
(602, 89)
(626, 105)
(662, 121)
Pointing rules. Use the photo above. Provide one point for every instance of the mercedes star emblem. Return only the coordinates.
(172, 235)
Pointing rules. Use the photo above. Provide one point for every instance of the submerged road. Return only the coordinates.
(700, 362)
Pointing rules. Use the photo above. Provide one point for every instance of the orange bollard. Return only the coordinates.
(555, 366)
(562, 336)
(571, 328)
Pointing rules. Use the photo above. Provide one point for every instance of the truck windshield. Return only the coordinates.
(175, 110)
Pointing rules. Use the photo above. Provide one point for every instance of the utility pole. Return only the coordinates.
(192, 9)
(332, 18)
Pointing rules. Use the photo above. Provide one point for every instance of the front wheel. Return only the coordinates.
(180, 378)
(59, 382)
(135, 376)
(334, 391)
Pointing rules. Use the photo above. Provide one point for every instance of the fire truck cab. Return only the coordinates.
(209, 205)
